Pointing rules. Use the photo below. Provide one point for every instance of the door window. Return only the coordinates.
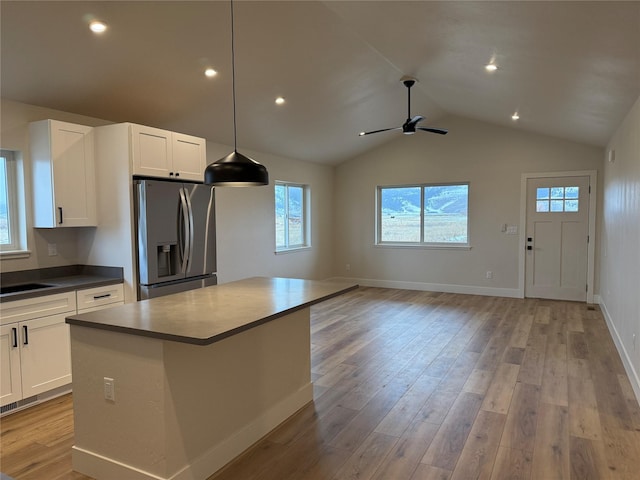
(557, 199)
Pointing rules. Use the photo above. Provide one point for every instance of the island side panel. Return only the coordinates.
(124, 438)
(224, 397)
(183, 411)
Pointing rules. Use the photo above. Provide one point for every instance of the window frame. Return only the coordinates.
(15, 207)
(305, 210)
(421, 244)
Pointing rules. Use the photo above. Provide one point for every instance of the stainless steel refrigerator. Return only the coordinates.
(176, 236)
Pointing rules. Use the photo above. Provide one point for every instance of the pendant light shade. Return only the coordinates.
(235, 170)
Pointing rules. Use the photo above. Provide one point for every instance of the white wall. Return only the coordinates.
(620, 247)
(14, 135)
(246, 222)
(492, 158)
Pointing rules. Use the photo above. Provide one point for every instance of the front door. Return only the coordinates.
(557, 238)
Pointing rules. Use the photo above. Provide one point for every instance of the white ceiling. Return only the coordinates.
(571, 69)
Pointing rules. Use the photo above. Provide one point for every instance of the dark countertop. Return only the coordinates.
(59, 279)
(207, 315)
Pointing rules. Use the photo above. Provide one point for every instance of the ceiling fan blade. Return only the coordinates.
(416, 119)
(378, 131)
(434, 130)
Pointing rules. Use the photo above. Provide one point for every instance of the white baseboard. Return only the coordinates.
(436, 287)
(626, 359)
(101, 467)
(202, 467)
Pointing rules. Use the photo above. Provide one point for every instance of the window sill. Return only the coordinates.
(292, 250)
(422, 247)
(13, 254)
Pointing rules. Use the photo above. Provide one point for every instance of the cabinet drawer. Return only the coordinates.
(100, 307)
(37, 307)
(96, 297)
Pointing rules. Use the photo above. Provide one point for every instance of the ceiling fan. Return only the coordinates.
(410, 126)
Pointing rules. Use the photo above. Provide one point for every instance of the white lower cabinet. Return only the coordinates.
(10, 370)
(45, 354)
(35, 347)
(35, 350)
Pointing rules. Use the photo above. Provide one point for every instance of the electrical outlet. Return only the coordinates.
(53, 249)
(109, 389)
(634, 341)
(489, 274)
(347, 267)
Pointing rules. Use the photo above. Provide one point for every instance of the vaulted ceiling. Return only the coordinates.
(570, 69)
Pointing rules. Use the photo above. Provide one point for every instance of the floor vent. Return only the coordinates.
(8, 408)
(25, 402)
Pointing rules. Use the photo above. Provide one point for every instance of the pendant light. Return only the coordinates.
(236, 169)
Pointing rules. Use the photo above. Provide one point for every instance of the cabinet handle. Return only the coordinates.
(14, 332)
(60, 212)
(177, 174)
(25, 331)
(98, 297)
(171, 174)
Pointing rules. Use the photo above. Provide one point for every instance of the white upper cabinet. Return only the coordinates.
(64, 185)
(160, 153)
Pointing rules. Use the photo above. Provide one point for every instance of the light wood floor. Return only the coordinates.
(418, 385)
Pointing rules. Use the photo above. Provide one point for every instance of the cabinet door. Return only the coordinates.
(45, 354)
(151, 151)
(188, 157)
(10, 378)
(63, 174)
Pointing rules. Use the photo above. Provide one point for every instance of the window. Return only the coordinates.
(424, 215)
(10, 238)
(292, 222)
(557, 199)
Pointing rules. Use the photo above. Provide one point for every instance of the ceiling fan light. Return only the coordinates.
(236, 170)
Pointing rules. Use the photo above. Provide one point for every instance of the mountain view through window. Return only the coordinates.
(424, 214)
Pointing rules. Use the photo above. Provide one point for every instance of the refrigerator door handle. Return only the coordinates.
(185, 234)
(191, 229)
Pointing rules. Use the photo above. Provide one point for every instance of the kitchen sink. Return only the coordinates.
(23, 287)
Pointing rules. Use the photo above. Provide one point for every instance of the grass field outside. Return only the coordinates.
(438, 228)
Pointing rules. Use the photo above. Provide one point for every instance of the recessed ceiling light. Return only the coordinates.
(97, 27)
(515, 116)
(279, 100)
(491, 67)
(210, 72)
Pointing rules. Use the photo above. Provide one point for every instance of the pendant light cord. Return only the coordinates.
(233, 81)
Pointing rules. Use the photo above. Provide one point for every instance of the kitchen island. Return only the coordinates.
(176, 387)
